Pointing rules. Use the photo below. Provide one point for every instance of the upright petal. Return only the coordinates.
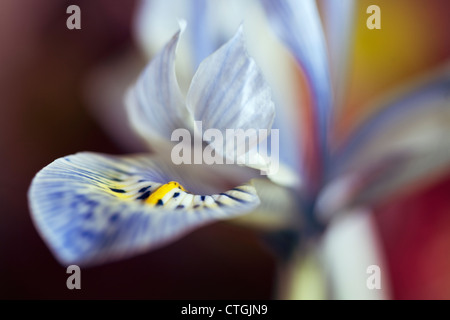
(92, 208)
(298, 25)
(228, 92)
(339, 21)
(155, 104)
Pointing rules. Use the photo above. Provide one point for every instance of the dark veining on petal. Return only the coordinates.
(240, 190)
(144, 196)
(233, 198)
(144, 189)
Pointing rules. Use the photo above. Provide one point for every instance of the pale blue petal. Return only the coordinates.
(89, 208)
(155, 104)
(339, 18)
(228, 91)
(429, 98)
(205, 40)
(403, 147)
(298, 25)
(289, 142)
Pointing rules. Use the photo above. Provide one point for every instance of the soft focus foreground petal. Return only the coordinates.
(404, 146)
(228, 92)
(339, 21)
(352, 254)
(298, 25)
(92, 208)
(155, 104)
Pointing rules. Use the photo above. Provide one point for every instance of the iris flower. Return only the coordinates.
(399, 146)
(91, 208)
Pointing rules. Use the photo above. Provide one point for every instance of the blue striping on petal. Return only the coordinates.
(88, 234)
(144, 196)
(202, 39)
(298, 25)
(228, 91)
(84, 223)
(114, 218)
(340, 20)
(143, 189)
(220, 204)
(89, 215)
(155, 104)
(234, 198)
(240, 190)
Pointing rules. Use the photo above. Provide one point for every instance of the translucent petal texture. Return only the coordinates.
(155, 104)
(228, 92)
(298, 25)
(93, 208)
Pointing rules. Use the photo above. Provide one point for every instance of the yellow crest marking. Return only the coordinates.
(159, 193)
